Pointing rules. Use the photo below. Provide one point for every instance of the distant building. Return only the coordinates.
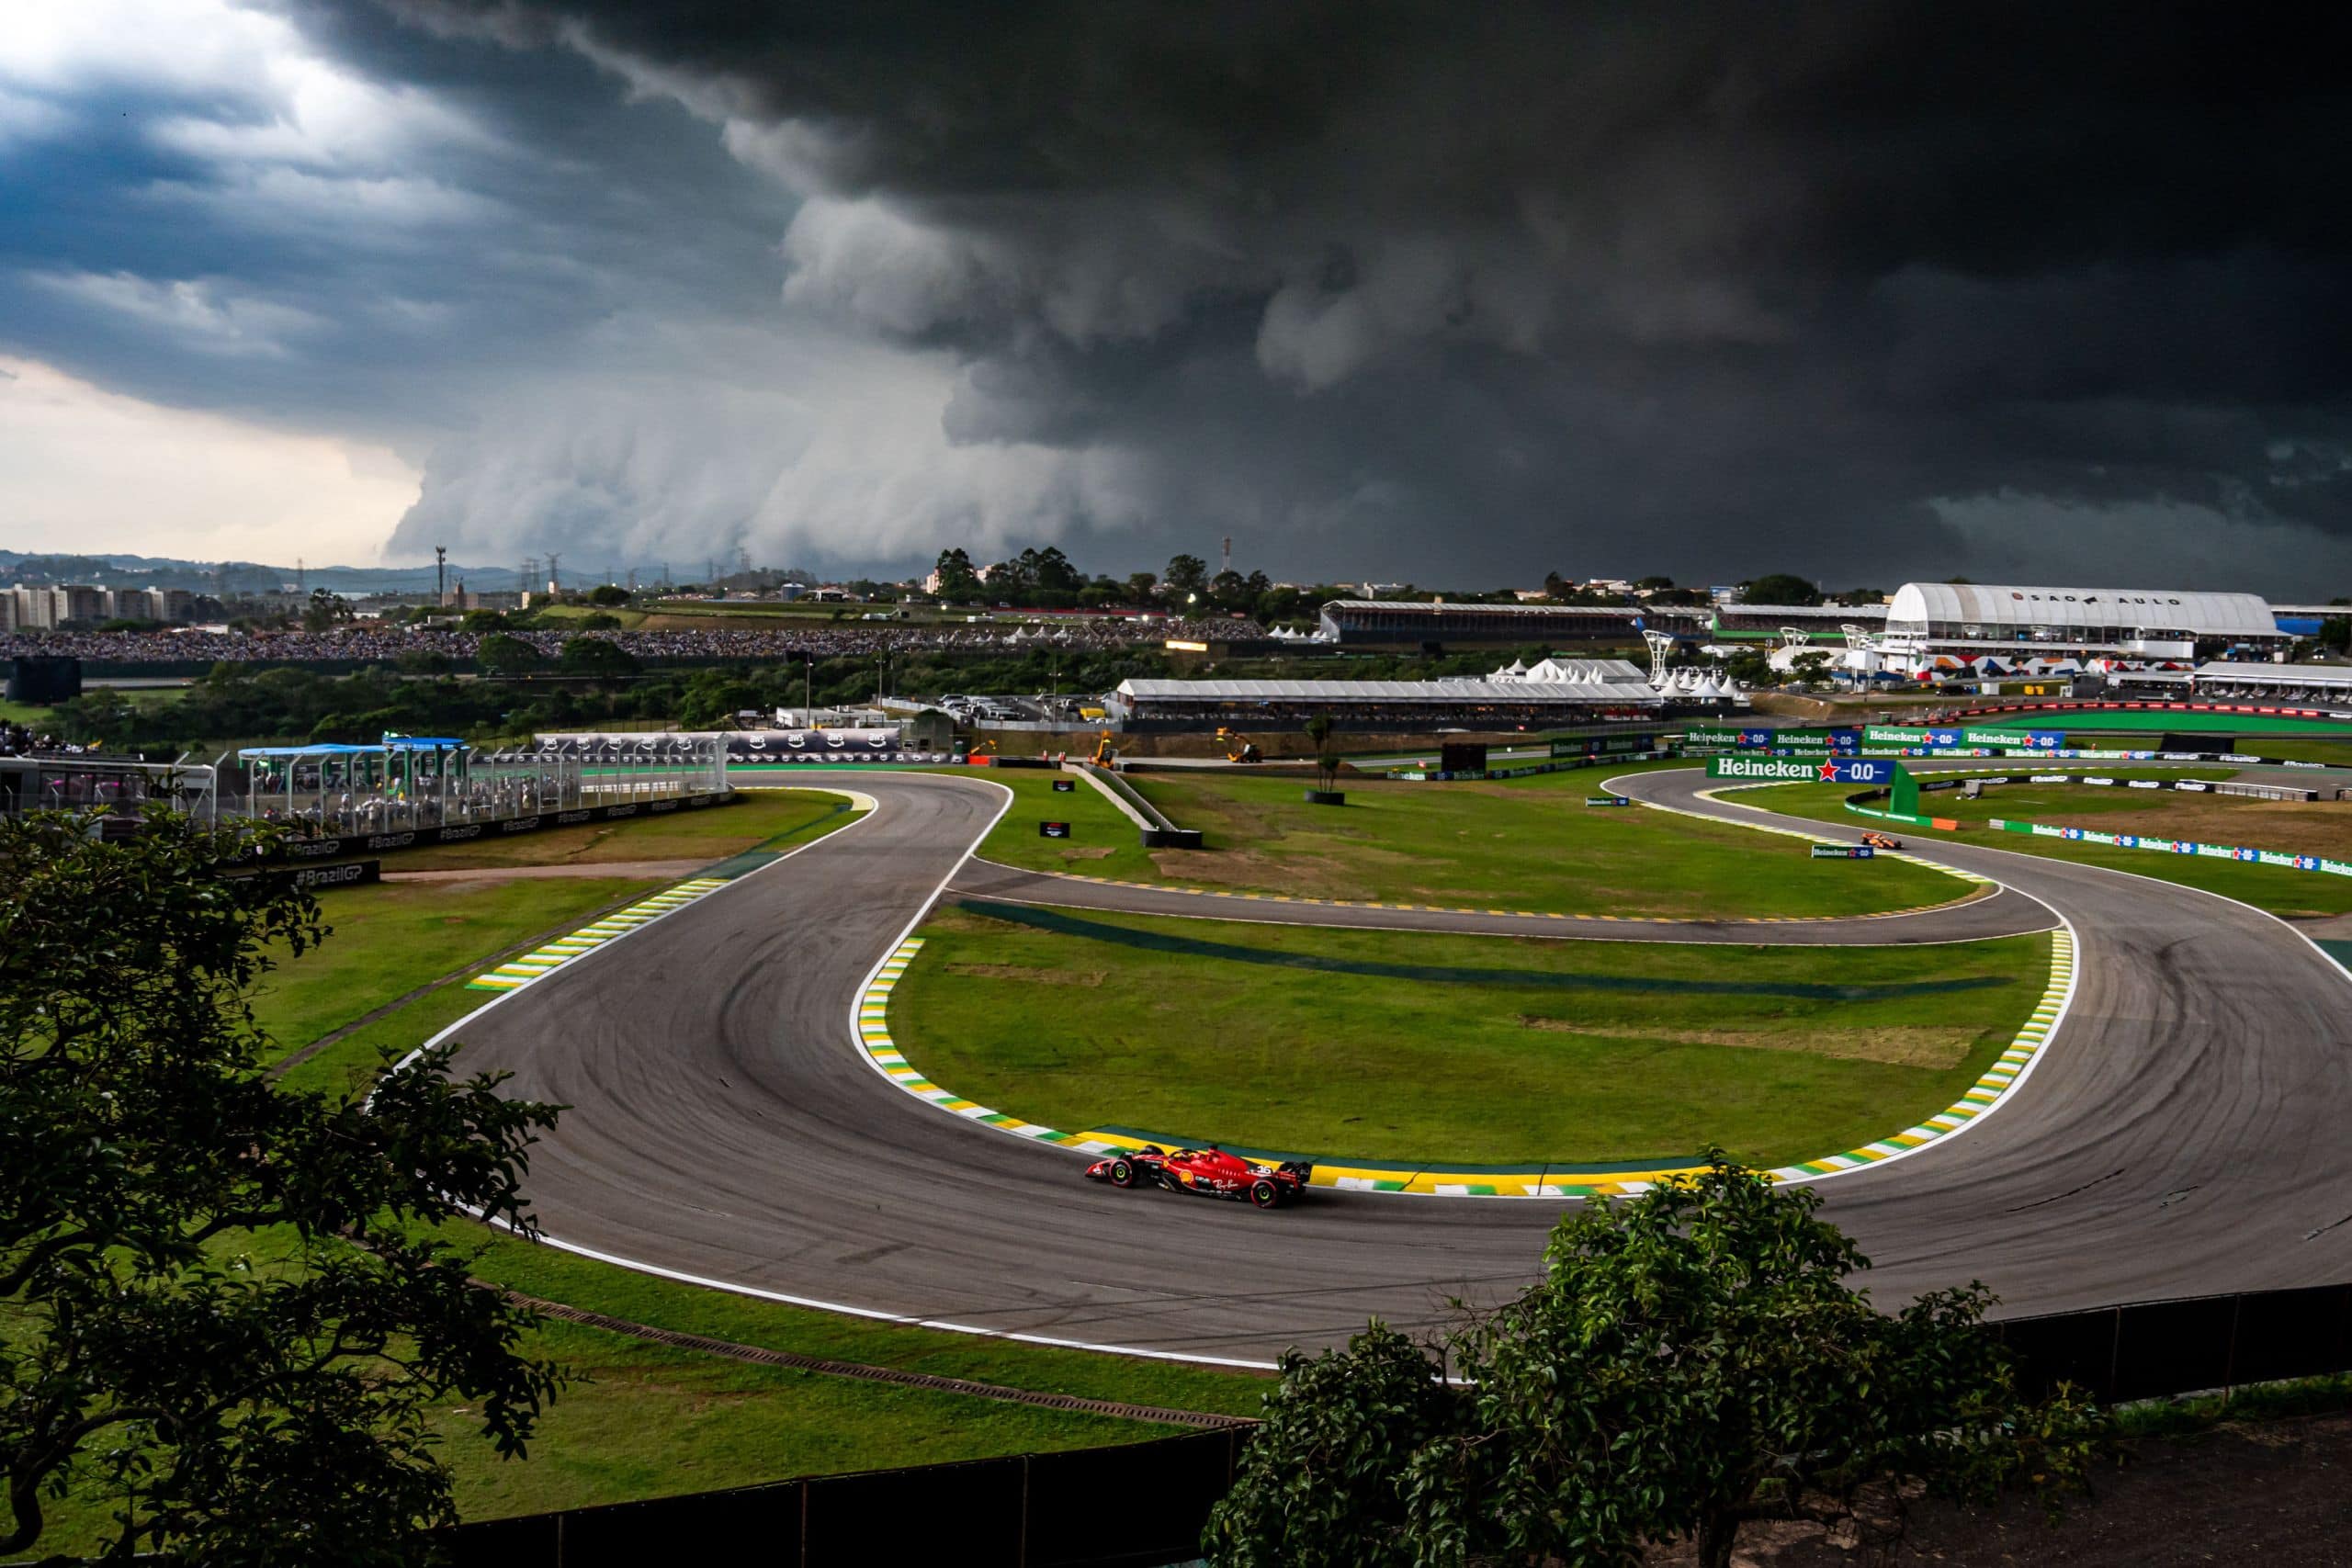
(1937, 628)
(1407, 624)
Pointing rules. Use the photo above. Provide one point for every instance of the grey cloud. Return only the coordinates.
(1467, 292)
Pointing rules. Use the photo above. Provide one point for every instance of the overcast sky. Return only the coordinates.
(1449, 293)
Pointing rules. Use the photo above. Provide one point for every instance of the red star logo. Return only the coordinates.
(1829, 772)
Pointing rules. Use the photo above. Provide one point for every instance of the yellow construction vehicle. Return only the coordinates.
(1237, 749)
(1106, 754)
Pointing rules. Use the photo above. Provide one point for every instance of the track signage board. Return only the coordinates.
(1797, 769)
(1843, 851)
(1053, 829)
(1607, 800)
(1064, 786)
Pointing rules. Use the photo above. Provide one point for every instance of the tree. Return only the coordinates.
(226, 1312)
(608, 594)
(503, 654)
(325, 610)
(595, 656)
(1326, 760)
(1185, 576)
(1691, 1359)
(1779, 588)
(959, 583)
(1652, 584)
(1142, 586)
(1810, 666)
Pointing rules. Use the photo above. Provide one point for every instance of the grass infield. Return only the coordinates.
(1396, 1047)
(1516, 844)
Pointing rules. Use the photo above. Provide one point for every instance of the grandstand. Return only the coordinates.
(1434, 625)
(2327, 685)
(1397, 705)
(410, 782)
(1950, 628)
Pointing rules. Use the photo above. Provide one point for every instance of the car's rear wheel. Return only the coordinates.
(1264, 1194)
(1121, 1174)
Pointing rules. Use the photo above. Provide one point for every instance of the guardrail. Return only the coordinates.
(1140, 1505)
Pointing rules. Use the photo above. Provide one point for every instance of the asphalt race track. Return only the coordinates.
(2183, 1135)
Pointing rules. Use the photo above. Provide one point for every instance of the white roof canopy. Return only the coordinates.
(1972, 603)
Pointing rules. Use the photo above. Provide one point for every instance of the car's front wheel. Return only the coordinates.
(1121, 1174)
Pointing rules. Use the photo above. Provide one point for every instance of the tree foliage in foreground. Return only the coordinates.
(1692, 1360)
(212, 1311)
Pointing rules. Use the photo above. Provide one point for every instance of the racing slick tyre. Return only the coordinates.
(1121, 1174)
(1264, 1194)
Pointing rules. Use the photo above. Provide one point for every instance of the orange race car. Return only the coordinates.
(1882, 840)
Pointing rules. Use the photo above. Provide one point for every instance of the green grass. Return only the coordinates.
(773, 819)
(1516, 844)
(2278, 889)
(656, 1421)
(1357, 1043)
(552, 1274)
(393, 937)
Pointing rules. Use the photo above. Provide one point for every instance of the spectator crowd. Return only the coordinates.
(371, 643)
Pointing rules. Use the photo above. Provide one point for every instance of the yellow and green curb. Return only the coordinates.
(516, 973)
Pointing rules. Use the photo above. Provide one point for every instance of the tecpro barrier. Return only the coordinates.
(1145, 1504)
(2284, 859)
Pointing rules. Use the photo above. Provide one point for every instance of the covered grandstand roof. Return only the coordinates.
(2268, 674)
(1434, 693)
(2205, 614)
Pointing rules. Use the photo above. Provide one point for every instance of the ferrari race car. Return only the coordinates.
(1882, 840)
(1212, 1173)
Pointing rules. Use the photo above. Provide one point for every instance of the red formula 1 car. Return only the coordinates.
(1212, 1173)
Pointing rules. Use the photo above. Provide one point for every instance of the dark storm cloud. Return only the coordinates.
(1458, 293)
(1474, 291)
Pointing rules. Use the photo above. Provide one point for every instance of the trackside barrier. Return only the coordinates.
(1157, 831)
(2194, 1345)
(1134, 1505)
(307, 851)
(1140, 1505)
(2179, 846)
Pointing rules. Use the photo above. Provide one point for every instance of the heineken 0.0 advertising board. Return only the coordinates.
(1799, 770)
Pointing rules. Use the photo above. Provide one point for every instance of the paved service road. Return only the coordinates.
(2183, 1134)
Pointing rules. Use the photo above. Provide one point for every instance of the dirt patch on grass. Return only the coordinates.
(1089, 978)
(1074, 857)
(1257, 870)
(1922, 1046)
